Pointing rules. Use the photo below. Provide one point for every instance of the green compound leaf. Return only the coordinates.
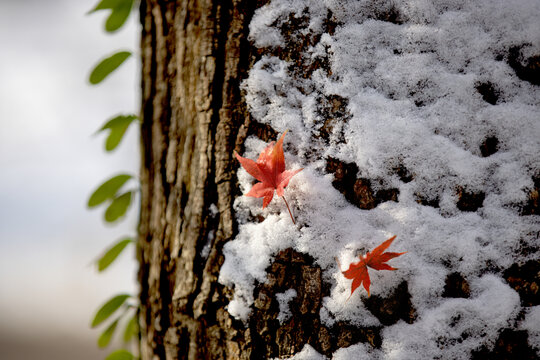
(107, 66)
(117, 126)
(107, 190)
(109, 308)
(132, 328)
(111, 254)
(120, 10)
(118, 207)
(106, 336)
(120, 355)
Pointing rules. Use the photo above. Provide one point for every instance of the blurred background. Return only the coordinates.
(50, 162)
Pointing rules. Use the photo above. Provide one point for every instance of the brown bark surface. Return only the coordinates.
(191, 123)
(194, 56)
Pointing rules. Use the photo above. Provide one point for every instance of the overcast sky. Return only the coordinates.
(50, 162)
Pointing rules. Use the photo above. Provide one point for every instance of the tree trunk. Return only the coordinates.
(195, 55)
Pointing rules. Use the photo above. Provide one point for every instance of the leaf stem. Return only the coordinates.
(288, 208)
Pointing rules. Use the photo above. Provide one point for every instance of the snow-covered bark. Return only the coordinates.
(410, 118)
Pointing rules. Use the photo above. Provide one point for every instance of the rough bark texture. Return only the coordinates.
(194, 56)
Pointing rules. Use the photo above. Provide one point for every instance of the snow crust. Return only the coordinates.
(412, 99)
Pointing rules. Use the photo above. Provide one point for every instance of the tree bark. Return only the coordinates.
(194, 56)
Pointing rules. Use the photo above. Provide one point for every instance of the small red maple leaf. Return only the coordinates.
(375, 259)
(270, 171)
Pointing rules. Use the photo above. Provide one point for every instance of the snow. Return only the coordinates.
(308, 353)
(453, 329)
(358, 351)
(530, 324)
(283, 300)
(412, 99)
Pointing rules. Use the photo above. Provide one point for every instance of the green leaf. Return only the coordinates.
(107, 4)
(107, 66)
(118, 207)
(108, 189)
(132, 328)
(120, 10)
(106, 336)
(118, 16)
(120, 355)
(112, 253)
(118, 126)
(109, 308)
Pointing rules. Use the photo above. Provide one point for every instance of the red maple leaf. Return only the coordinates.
(375, 259)
(270, 171)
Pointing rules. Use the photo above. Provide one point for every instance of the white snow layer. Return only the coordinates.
(412, 99)
(283, 300)
(532, 326)
(307, 353)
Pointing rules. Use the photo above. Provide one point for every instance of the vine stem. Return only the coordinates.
(288, 208)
